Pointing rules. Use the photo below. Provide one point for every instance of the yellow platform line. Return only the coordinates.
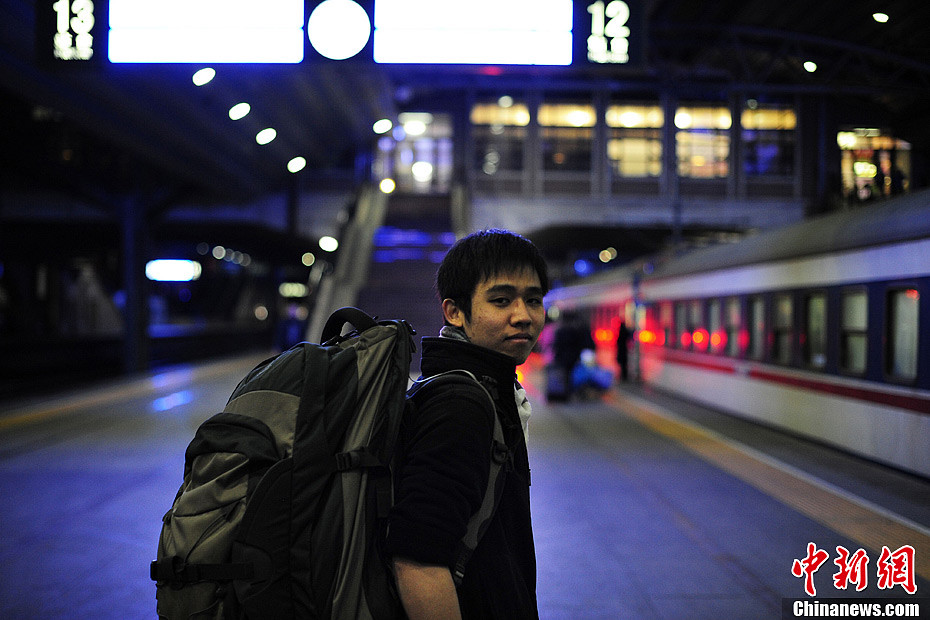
(867, 524)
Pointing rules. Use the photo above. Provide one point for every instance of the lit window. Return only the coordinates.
(815, 332)
(768, 135)
(634, 142)
(757, 328)
(499, 134)
(782, 332)
(853, 334)
(566, 135)
(703, 141)
(902, 336)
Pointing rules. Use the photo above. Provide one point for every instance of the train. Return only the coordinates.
(820, 328)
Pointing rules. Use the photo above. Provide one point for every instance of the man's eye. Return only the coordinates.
(500, 301)
(533, 301)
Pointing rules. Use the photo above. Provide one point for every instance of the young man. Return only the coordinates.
(491, 285)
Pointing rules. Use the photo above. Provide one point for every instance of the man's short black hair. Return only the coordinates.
(483, 255)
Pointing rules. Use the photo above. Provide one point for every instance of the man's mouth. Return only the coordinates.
(520, 337)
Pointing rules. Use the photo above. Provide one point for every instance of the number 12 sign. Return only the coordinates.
(609, 41)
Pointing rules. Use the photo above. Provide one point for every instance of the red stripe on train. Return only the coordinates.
(919, 404)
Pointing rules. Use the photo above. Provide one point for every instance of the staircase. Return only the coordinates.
(406, 252)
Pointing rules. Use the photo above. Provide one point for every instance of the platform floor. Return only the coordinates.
(644, 507)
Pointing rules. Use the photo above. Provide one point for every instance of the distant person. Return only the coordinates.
(491, 285)
(624, 337)
(571, 338)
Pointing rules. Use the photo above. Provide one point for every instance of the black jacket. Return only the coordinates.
(441, 480)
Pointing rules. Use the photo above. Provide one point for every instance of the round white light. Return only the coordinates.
(297, 164)
(422, 171)
(383, 126)
(415, 128)
(328, 244)
(204, 76)
(266, 135)
(387, 186)
(881, 18)
(239, 111)
(338, 29)
(810, 67)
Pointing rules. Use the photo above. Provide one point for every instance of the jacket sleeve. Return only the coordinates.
(442, 476)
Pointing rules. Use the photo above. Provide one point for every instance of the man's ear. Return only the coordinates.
(452, 313)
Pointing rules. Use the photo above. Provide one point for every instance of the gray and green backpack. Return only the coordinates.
(284, 503)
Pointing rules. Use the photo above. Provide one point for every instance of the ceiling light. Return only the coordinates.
(810, 67)
(382, 126)
(266, 135)
(239, 111)
(328, 244)
(296, 165)
(204, 76)
(387, 186)
(881, 18)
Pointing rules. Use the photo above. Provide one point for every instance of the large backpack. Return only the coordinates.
(286, 493)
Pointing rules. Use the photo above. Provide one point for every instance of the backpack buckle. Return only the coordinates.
(500, 453)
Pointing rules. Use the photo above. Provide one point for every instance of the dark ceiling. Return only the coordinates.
(107, 130)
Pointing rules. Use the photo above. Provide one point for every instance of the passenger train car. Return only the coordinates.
(821, 328)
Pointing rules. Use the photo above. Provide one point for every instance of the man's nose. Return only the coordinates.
(520, 313)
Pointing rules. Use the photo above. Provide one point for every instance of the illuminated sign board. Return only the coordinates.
(609, 41)
(411, 32)
(496, 32)
(206, 31)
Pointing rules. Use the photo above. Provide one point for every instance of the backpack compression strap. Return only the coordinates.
(500, 455)
(177, 572)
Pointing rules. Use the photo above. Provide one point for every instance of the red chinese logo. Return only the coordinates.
(894, 568)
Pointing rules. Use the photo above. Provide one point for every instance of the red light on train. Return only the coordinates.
(647, 336)
(743, 339)
(604, 335)
(700, 338)
(685, 340)
(912, 294)
(718, 340)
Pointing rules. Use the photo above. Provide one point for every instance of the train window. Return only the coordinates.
(715, 326)
(814, 340)
(903, 310)
(781, 329)
(757, 328)
(698, 335)
(682, 334)
(666, 323)
(734, 324)
(853, 339)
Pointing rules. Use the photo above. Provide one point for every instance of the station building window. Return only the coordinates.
(566, 133)
(782, 332)
(499, 131)
(902, 337)
(703, 141)
(814, 341)
(873, 164)
(853, 338)
(768, 137)
(634, 140)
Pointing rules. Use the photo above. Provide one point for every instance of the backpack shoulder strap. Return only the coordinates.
(500, 455)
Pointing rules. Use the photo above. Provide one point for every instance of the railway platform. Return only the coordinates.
(645, 507)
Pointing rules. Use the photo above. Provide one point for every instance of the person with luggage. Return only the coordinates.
(491, 285)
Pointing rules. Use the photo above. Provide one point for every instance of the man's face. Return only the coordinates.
(507, 313)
